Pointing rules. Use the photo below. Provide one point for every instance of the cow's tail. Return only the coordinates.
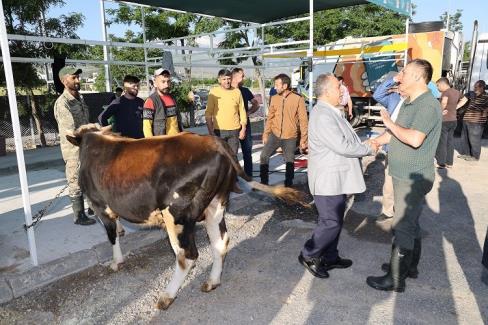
(287, 194)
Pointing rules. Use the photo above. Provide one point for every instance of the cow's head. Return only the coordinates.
(76, 136)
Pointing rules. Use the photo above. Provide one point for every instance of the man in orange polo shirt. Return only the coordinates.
(160, 115)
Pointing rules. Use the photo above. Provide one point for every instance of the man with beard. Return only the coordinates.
(287, 119)
(127, 110)
(71, 112)
(413, 140)
(160, 114)
(247, 96)
(225, 114)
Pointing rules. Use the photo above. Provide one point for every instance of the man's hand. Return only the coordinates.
(374, 145)
(303, 148)
(265, 139)
(444, 112)
(387, 121)
(242, 133)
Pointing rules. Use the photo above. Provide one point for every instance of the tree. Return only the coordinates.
(455, 23)
(329, 25)
(22, 17)
(161, 25)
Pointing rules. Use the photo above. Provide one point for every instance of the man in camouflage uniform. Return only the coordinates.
(71, 112)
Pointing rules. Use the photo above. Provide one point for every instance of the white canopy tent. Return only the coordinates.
(231, 9)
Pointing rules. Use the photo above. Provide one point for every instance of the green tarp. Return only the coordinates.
(263, 11)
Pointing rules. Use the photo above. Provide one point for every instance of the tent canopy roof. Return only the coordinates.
(263, 11)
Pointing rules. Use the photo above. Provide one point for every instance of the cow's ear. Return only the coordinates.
(74, 140)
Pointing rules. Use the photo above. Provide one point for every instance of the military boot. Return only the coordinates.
(79, 212)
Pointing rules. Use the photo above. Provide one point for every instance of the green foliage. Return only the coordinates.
(24, 17)
(180, 92)
(203, 81)
(455, 23)
(467, 51)
(334, 24)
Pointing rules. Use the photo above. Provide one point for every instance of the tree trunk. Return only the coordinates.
(35, 115)
(187, 69)
(258, 75)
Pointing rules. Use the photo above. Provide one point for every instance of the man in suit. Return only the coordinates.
(334, 170)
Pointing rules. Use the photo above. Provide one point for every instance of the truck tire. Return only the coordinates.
(356, 117)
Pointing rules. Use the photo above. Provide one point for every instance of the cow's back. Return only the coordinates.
(136, 177)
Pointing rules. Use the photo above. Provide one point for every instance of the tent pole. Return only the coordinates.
(7, 64)
(146, 68)
(263, 90)
(405, 59)
(108, 78)
(310, 58)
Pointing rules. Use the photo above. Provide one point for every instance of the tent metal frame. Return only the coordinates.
(259, 50)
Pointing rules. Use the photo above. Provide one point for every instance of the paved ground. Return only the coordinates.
(263, 283)
(62, 247)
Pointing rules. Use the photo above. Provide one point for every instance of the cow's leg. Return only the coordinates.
(182, 239)
(219, 241)
(110, 221)
(120, 228)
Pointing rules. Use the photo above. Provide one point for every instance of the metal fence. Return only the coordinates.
(30, 135)
(44, 103)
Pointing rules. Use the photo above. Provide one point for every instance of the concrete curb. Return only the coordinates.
(16, 285)
(13, 169)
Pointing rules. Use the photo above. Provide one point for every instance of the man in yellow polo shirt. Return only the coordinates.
(225, 114)
(160, 115)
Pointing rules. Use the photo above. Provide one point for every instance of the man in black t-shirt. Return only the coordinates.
(127, 110)
(247, 96)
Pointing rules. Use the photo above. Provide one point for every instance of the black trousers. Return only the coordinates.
(325, 236)
(471, 139)
(445, 150)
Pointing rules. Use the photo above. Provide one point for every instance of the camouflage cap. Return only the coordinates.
(69, 70)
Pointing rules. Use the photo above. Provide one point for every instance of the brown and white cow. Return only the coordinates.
(167, 181)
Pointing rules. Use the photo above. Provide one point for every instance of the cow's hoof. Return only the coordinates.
(164, 302)
(116, 266)
(209, 286)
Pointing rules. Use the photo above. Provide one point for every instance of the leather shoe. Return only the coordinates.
(340, 263)
(314, 266)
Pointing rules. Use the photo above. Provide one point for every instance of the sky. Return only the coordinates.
(427, 10)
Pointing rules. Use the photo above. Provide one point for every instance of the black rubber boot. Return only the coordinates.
(79, 212)
(289, 174)
(264, 173)
(394, 280)
(413, 272)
